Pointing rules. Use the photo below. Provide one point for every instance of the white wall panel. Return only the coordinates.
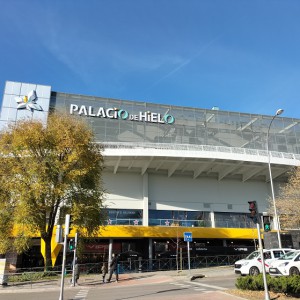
(189, 194)
(9, 101)
(27, 87)
(9, 111)
(13, 88)
(184, 193)
(124, 190)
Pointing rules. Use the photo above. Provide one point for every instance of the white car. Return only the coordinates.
(251, 265)
(289, 264)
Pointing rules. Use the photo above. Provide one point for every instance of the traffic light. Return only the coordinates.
(266, 223)
(71, 245)
(253, 210)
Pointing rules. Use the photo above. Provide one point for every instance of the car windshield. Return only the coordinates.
(289, 255)
(253, 255)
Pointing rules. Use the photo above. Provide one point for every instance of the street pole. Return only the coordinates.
(276, 218)
(267, 296)
(67, 224)
(189, 259)
(74, 260)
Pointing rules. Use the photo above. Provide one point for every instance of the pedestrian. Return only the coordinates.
(113, 267)
(104, 271)
(76, 271)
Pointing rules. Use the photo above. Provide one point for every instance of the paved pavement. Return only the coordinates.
(134, 279)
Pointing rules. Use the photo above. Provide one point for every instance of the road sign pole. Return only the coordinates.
(189, 259)
(188, 238)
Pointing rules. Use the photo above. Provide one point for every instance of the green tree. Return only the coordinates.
(45, 173)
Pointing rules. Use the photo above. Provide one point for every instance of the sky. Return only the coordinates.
(238, 55)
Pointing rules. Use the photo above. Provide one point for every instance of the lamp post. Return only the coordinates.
(276, 218)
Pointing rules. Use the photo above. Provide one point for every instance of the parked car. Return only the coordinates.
(251, 265)
(288, 264)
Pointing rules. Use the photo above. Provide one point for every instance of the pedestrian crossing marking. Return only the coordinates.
(81, 295)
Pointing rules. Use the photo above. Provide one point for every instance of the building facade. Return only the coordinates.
(172, 169)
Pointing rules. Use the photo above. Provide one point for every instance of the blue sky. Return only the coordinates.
(239, 55)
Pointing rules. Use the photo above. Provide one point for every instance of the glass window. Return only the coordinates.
(267, 255)
(278, 253)
(233, 220)
(179, 218)
(125, 216)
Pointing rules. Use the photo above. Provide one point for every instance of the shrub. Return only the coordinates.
(286, 284)
(30, 276)
(253, 283)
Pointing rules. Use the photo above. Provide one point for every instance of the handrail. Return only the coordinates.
(204, 148)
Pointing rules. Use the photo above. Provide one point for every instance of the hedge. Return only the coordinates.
(289, 285)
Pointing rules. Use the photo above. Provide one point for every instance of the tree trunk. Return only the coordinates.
(48, 262)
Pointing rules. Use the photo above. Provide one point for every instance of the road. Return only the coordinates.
(145, 287)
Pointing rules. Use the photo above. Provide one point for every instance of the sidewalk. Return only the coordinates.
(129, 279)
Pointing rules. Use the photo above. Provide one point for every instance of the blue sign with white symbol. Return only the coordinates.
(187, 236)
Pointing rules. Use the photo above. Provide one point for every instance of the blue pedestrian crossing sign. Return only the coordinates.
(187, 236)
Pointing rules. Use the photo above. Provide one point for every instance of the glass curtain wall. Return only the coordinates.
(192, 126)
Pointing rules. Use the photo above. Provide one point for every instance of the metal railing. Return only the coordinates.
(204, 148)
(37, 276)
(184, 223)
(234, 224)
(177, 222)
(164, 264)
(129, 221)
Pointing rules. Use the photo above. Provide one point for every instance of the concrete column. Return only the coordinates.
(150, 248)
(150, 253)
(212, 219)
(145, 200)
(110, 247)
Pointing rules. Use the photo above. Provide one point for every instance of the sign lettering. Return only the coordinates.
(115, 113)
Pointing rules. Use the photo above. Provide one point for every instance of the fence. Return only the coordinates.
(163, 264)
(51, 277)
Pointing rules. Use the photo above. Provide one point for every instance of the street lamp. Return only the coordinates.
(276, 218)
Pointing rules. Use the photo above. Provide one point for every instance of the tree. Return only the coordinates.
(45, 173)
(287, 203)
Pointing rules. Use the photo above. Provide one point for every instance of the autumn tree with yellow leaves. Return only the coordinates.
(288, 202)
(47, 171)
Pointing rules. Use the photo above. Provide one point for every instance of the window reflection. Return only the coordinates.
(179, 218)
(233, 220)
(125, 217)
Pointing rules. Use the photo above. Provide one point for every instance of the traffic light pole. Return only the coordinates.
(267, 296)
(254, 216)
(67, 223)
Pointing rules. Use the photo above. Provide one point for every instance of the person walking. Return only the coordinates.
(76, 271)
(104, 271)
(113, 267)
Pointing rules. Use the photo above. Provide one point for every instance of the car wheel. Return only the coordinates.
(294, 271)
(253, 271)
